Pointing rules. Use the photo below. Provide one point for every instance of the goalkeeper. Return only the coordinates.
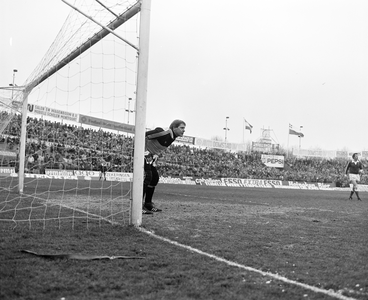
(157, 141)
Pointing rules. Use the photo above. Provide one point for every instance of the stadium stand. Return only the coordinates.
(54, 145)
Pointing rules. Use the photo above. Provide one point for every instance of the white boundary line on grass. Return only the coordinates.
(330, 293)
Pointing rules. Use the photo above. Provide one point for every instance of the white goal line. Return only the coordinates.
(330, 293)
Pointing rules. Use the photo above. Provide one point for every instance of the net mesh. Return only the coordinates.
(79, 148)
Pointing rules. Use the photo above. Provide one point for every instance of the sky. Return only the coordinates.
(271, 62)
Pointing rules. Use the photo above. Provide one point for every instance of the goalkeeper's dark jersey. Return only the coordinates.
(158, 140)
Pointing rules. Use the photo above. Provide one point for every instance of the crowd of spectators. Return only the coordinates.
(212, 163)
(54, 145)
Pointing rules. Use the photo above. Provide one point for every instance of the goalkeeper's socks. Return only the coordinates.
(149, 194)
(144, 190)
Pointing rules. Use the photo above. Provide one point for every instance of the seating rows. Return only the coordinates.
(63, 146)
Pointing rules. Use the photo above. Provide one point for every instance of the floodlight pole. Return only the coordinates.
(129, 110)
(140, 113)
(13, 84)
(226, 129)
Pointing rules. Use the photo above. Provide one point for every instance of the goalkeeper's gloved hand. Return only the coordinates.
(154, 160)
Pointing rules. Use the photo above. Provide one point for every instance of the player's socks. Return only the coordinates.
(148, 201)
(149, 194)
(358, 195)
(351, 195)
(145, 210)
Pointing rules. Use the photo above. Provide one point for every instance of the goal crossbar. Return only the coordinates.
(104, 27)
(121, 19)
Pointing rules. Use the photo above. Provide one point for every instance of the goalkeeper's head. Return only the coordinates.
(178, 127)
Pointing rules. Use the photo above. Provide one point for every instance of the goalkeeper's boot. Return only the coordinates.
(146, 211)
(151, 207)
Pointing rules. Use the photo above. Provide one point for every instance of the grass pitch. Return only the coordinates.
(317, 238)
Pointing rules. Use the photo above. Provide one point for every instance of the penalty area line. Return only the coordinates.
(330, 293)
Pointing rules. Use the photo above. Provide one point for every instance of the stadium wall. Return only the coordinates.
(186, 180)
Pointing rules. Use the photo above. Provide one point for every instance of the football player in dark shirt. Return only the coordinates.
(157, 141)
(353, 170)
(103, 169)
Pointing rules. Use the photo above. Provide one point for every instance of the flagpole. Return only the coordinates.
(243, 130)
(287, 153)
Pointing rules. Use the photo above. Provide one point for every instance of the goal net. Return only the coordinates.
(76, 115)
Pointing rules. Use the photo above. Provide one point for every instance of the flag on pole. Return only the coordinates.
(248, 126)
(294, 132)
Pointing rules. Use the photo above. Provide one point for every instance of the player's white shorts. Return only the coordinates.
(354, 177)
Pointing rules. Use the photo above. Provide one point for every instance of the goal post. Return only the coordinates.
(72, 73)
(138, 171)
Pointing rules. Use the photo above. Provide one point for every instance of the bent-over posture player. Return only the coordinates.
(157, 141)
